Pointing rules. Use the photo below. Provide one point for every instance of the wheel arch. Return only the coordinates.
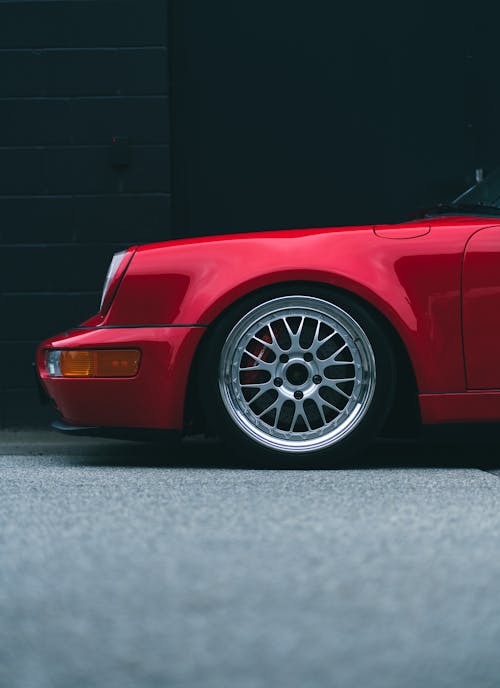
(404, 417)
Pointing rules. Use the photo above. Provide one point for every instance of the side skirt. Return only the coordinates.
(464, 407)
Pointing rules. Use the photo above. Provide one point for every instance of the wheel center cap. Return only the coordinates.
(297, 374)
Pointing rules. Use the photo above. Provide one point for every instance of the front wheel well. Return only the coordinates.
(403, 419)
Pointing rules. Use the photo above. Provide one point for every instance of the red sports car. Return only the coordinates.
(301, 344)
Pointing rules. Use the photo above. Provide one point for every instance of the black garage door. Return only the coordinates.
(317, 113)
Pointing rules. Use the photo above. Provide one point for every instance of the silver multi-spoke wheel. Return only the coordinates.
(297, 374)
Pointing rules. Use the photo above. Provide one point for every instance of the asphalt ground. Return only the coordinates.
(129, 565)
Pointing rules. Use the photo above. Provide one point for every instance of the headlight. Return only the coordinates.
(115, 264)
(116, 270)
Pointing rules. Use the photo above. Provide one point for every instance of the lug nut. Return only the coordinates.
(284, 358)
(316, 379)
(278, 382)
(308, 357)
(298, 394)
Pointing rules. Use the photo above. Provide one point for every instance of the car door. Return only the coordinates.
(481, 309)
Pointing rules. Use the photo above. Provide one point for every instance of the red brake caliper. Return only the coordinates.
(250, 377)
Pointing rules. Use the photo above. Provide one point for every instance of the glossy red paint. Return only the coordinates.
(410, 273)
(414, 283)
(481, 294)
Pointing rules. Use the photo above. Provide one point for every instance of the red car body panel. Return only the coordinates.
(481, 307)
(466, 407)
(154, 398)
(410, 273)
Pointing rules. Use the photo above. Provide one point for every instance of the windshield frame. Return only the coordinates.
(483, 193)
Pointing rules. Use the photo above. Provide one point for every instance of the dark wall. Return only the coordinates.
(320, 113)
(73, 75)
(283, 114)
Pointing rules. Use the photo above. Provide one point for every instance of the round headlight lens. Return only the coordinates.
(115, 264)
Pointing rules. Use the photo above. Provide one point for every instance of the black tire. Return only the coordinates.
(235, 426)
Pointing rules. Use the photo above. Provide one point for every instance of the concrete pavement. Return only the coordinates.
(122, 565)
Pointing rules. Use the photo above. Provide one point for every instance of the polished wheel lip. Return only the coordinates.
(296, 441)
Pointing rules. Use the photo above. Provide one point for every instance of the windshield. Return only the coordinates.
(481, 199)
(486, 192)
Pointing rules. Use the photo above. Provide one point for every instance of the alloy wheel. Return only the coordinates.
(297, 374)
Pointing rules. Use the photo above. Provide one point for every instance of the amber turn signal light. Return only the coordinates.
(94, 362)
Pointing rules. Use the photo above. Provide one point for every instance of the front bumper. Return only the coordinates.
(153, 399)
